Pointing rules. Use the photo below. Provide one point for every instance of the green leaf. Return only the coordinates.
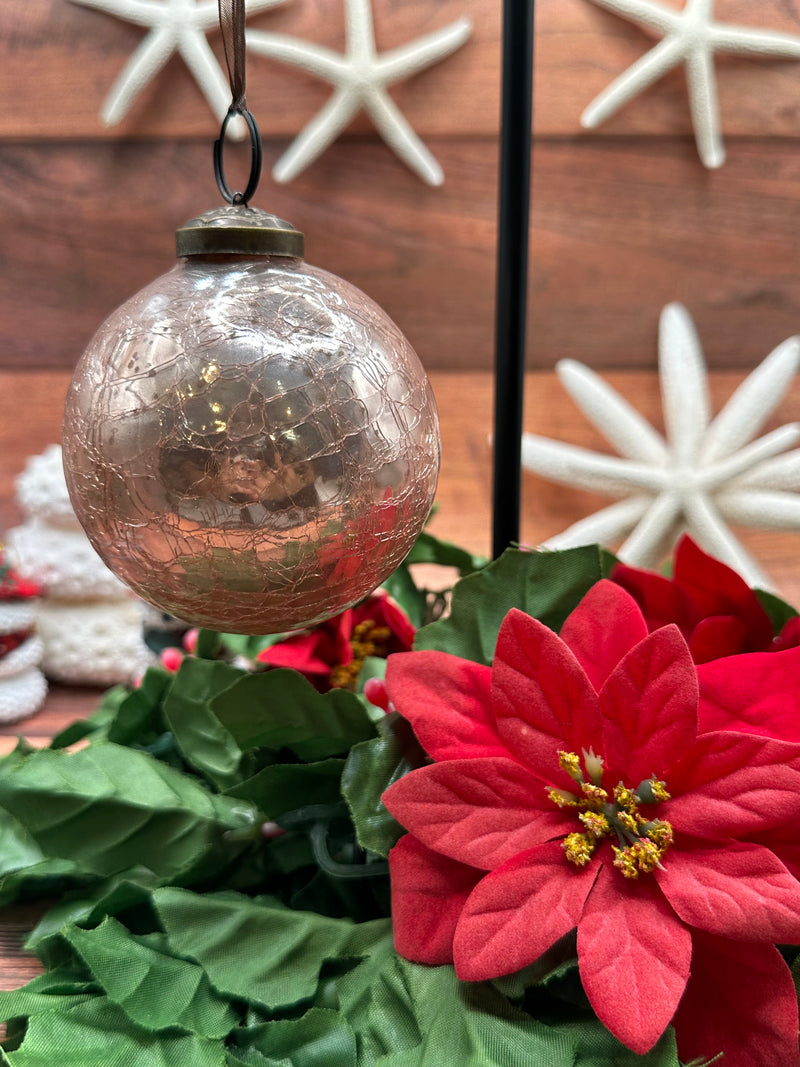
(430, 549)
(283, 787)
(320, 1038)
(290, 946)
(778, 610)
(138, 719)
(108, 808)
(155, 989)
(122, 892)
(421, 1016)
(547, 585)
(402, 587)
(280, 709)
(208, 644)
(57, 991)
(98, 723)
(369, 770)
(202, 739)
(248, 646)
(97, 1033)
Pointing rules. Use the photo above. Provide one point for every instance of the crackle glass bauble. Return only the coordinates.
(250, 442)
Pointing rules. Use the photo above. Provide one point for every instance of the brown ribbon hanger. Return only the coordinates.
(231, 21)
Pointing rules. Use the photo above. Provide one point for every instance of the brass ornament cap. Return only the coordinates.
(236, 229)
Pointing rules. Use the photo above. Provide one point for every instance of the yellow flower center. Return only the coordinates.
(641, 842)
(368, 639)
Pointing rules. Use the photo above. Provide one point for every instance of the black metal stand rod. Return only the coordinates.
(512, 268)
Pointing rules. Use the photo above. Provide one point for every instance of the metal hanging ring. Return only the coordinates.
(255, 158)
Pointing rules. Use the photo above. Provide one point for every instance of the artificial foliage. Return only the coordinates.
(215, 851)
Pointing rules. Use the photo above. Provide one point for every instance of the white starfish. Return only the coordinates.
(175, 25)
(704, 475)
(692, 37)
(360, 77)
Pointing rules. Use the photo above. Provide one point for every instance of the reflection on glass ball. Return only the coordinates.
(251, 443)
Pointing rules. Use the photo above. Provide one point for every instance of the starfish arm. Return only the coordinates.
(711, 533)
(684, 383)
(415, 56)
(205, 15)
(139, 12)
(644, 12)
(782, 472)
(704, 105)
(312, 58)
(765, 509)
(252, 7)
(619, 422)
(654, 533)
(320, 132)
(572, 465)
(359, 29)
(766, 447)
(652, 66)
(396, 131)
(145, 62)
(605, 527)
(745, 41)
(700, 9)
(207, 72)
(752, 403)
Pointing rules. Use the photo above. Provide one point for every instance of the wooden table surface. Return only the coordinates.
(30, 419)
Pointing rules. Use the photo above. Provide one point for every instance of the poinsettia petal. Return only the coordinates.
(715, 637)
(740, 1000)
(447, 700)
(660, 600)
(731, 784)
(479, 811)
(602, 629)
(428, 894)
(789, 637)
(784, 842)
(313, 654)
(543, 701)
(717, 589)
(382, 610)
(756, 692)
(519, 911)
(737, 890)
(650, 707)
(634, 955)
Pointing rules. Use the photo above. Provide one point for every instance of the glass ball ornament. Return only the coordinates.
(250, 443)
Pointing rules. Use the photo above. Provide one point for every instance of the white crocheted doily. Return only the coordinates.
(42, 489)
(92, 644)
(22, 695)
(62, 561)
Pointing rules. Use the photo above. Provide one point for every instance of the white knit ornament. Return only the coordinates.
(22, 685)
(89, 621)
(92, 644)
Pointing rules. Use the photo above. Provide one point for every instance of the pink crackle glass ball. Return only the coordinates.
(251, 443)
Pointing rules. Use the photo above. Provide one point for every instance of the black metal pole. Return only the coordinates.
(512, 268)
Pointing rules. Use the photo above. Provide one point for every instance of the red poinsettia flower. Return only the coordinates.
(714, 608)
(572, 789)
(331, 655)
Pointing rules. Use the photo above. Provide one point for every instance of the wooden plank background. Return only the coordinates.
(625, 218)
